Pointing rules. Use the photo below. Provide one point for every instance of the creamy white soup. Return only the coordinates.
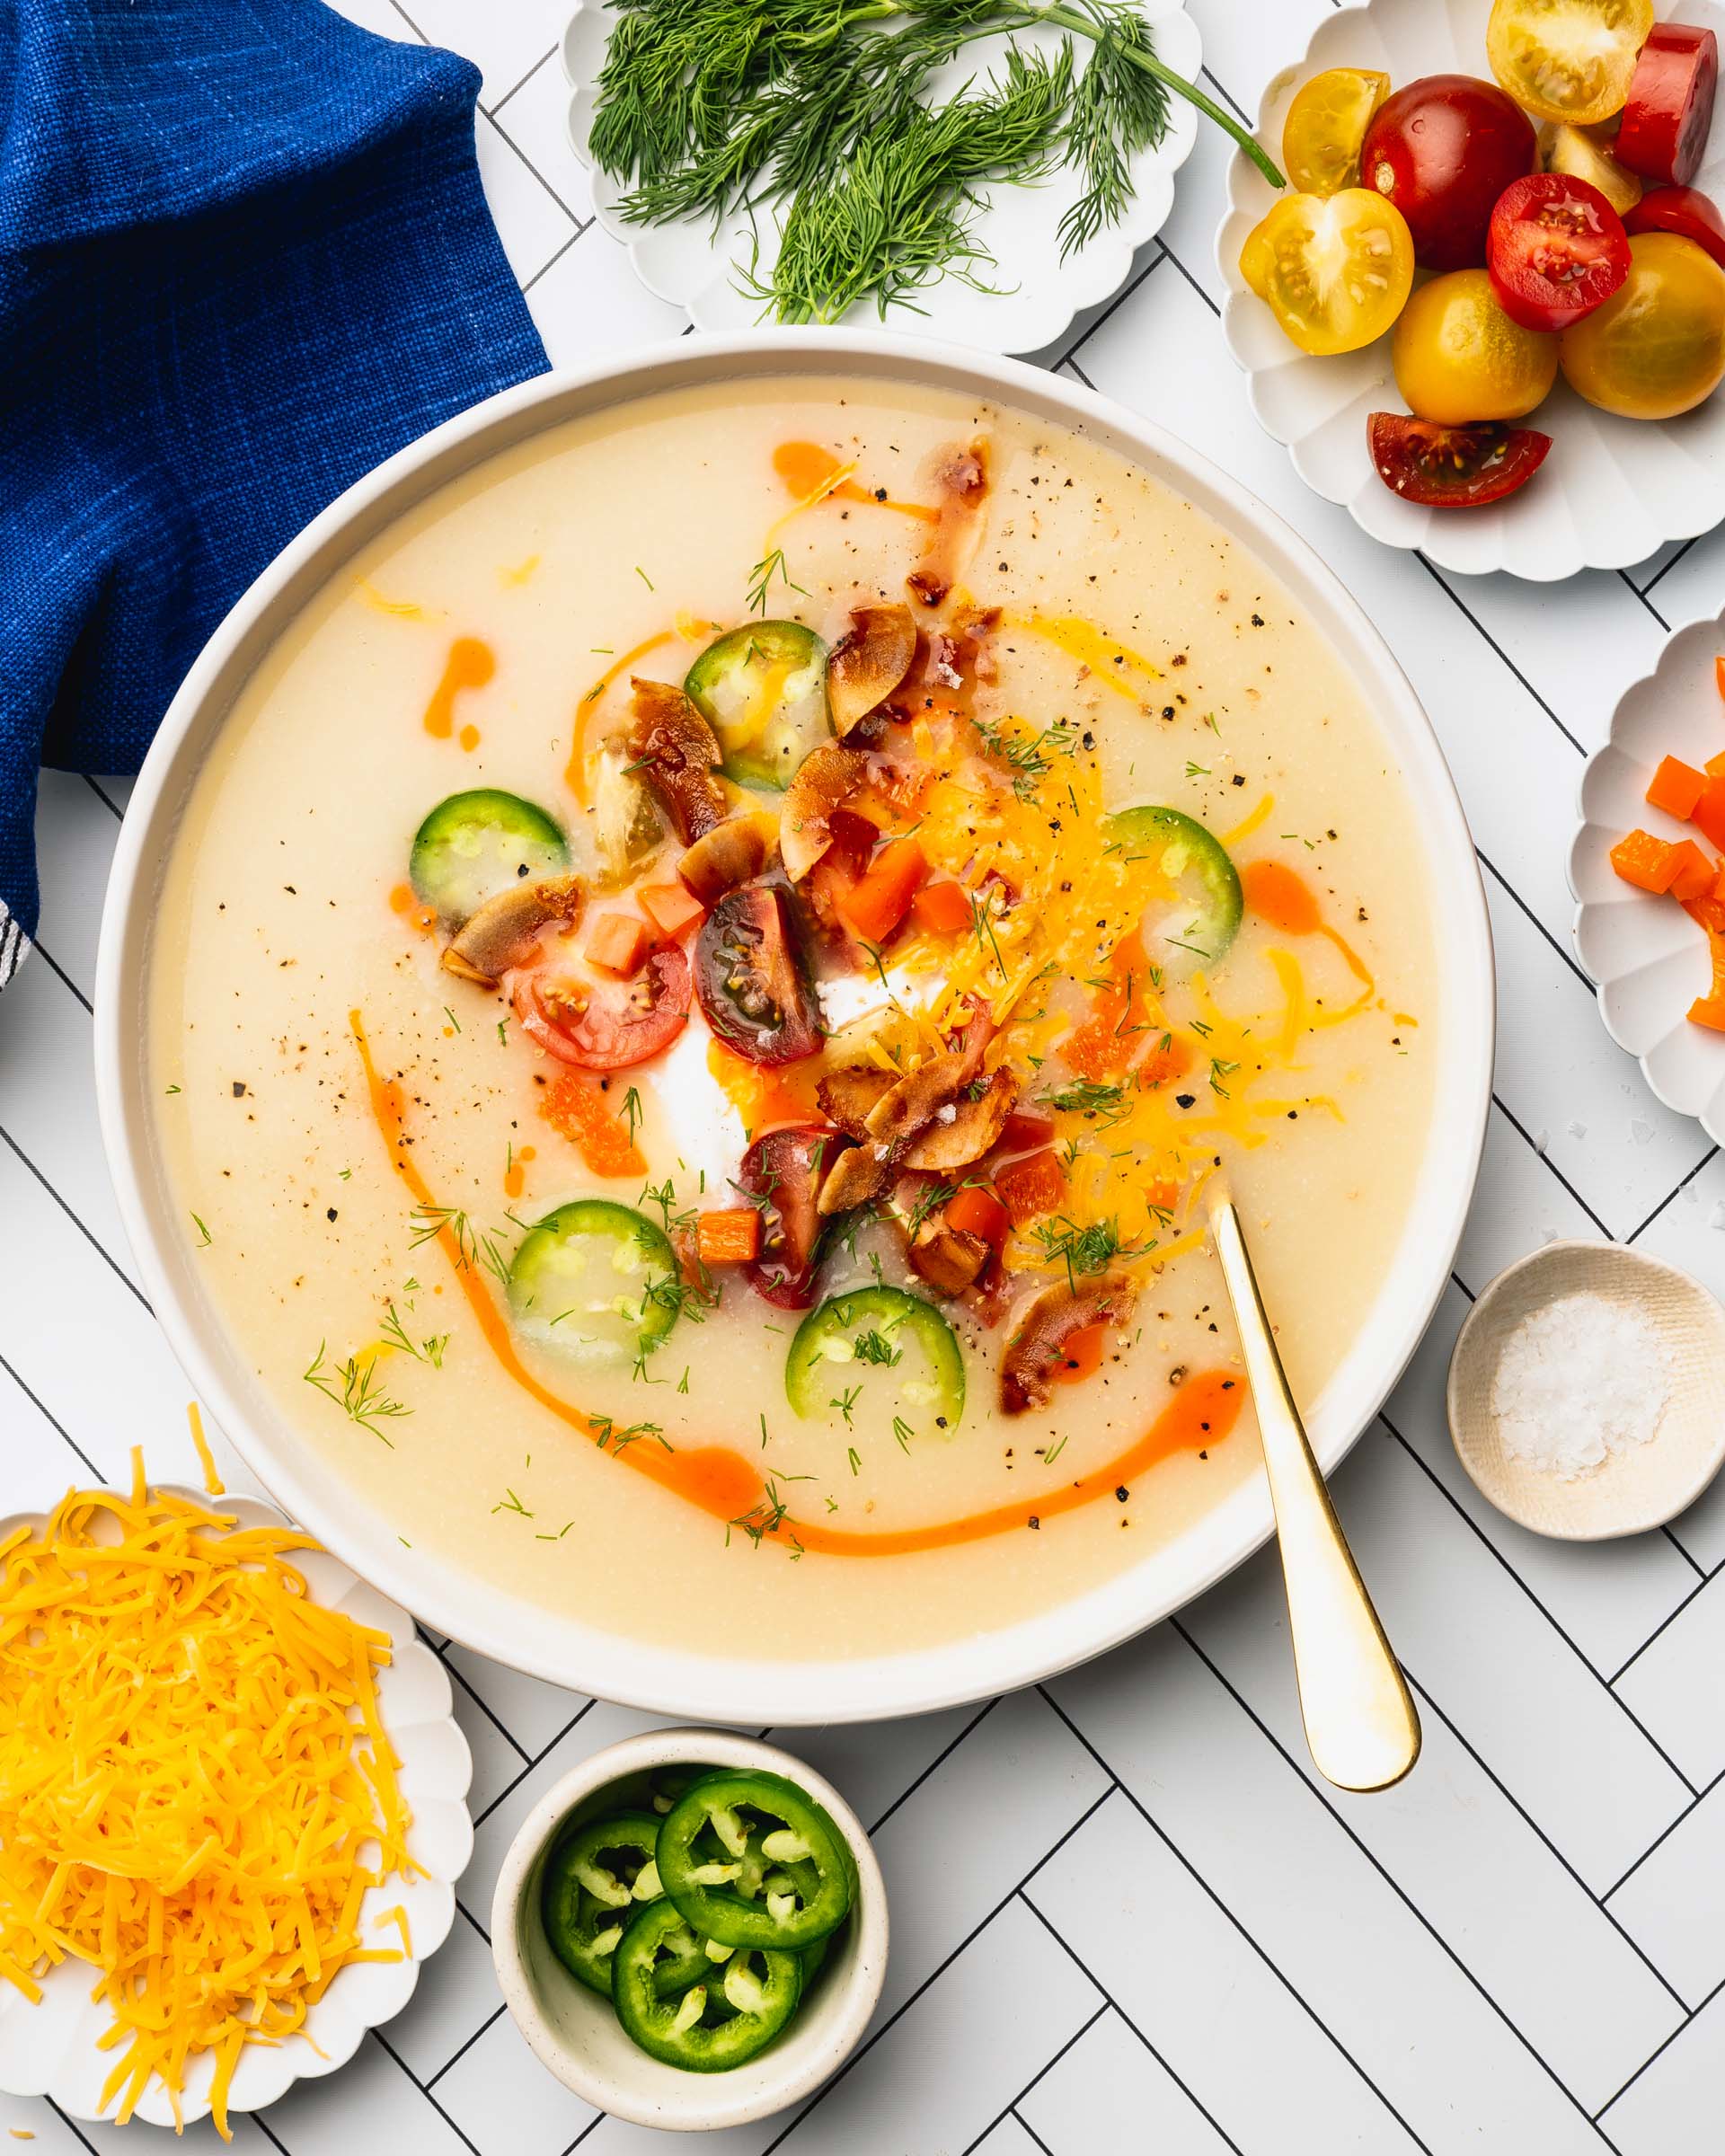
(704, 988)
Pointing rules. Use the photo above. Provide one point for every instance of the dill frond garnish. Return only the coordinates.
(361, 1398)
(707, 106)
(1087, 1249)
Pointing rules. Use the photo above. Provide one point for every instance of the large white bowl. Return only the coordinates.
(689, 1684)
(1611, 492)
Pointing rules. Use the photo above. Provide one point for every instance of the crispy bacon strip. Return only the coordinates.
(869, 662)
(677, 753)
(1046, 1323)
(505, 931)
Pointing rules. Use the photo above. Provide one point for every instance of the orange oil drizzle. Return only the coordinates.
(575, 776)
(726, 1486)
(813, 474)
(1282, 896)
(402, 900)
(470, 664)
(514, 1176)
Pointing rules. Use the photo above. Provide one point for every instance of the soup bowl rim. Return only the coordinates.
(669, 1679)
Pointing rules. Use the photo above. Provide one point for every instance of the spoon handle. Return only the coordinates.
(1360, 1723)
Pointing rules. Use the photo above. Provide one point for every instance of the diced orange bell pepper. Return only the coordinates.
(1708, 815)
(1648, 863)
(573, 1105)
(671, 907)
(942, 909)
(977, 1211)
(617, 944)
(1169, 1059)
(882, 900)
(1031, 1187)
(1675, 788)
(1082, 1356)
(1715, 765)
(1025, 1132)
(731, 1237)
(1719, 673)
(1696, 871)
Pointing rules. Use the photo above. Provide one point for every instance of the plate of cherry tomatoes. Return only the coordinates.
(1487, 312)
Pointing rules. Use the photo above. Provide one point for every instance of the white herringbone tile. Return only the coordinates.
(1676, 1685)
(535, 116)
(1673, 1903)
(1110, 2093)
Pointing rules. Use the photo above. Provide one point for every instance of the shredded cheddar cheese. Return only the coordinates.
(196, 1790)
(213, 1483)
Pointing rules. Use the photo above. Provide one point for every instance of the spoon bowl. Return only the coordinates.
(1632, 1490)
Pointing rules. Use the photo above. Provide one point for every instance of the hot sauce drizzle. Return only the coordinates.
(470, 664)
(814, 474)
(727, 1487)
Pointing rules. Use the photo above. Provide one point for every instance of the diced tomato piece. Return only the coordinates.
(1719, 673)
(672, 908)
(1031, 1187)
(1648, 863)
(942, 909)
(1696, 871)
(1170, 1058)
(575, 1106)
(977, 1212)
(882, 900)
(731, 1237)
(1708, 815)
(1024, 1132)
(617, 944)
(1677, 787)
(1080, 1355)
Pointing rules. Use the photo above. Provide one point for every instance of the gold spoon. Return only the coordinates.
(1360, 1723)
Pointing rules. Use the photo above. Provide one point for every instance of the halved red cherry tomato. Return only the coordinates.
(1443, 150)
(781, 1174)
(1664, 129)
(1451, 467)
(1556, 249)
(1684, 210)
(606, 1025)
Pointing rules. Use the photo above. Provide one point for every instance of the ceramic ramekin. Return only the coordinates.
(675, 1679)
(575, 2032)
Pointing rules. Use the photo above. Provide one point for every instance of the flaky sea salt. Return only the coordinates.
(1577, 1381)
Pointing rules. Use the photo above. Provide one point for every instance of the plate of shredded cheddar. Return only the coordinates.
(232, 1805)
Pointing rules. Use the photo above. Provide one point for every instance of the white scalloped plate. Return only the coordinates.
(1611, 491)
(1648, 959)
(49, 2049)
(695, 268)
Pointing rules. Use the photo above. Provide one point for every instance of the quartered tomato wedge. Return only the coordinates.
(606, 1025)
(1325, 126)
(1567, 60)
(1684, 210)
(751, 978)
(1451, 467)
(1556, 249)
(1670, 108)
(1335, 270)
(782, 1173)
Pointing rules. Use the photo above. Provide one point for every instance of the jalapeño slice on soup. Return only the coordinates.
(596, 1282)
(763, 688)
(475, 844)
(877, 1326)
(1193, 929)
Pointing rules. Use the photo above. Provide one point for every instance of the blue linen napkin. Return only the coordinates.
(244, 256)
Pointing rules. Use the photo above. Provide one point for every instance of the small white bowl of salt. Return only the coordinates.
(1587, 1391)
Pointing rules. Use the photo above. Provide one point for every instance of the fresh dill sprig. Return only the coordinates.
(1032, 756)
(710, 107)
(1087, 1249)
(761, 577)
(429, 1350)
(362, 1398)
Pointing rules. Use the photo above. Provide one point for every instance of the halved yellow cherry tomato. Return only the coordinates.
(1336, 270)
(1325, 126)
(1582, 153)
(1567, 60)
(1459, 357)
(1656, 346)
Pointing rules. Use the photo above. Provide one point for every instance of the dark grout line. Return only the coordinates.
(1664, 2047)
(505, 137)
(550, 53)
(510, 1786)
(1666, 1833)
(453, 2125)
(1190, 279)
(1082, 375)
(1527, 1135)
(55, 968)
(72, 2125)
(495, 2014)
(43, 1409)
(1510, 892)
(1226, 95)
(1462, 607)
(1382, 1869)
(555, 259)
(1671, 564)
(1205, 1886)
(107, 801)
(408, 19)
(1642, 597)
(1670, 1537)
(519, 1749)
(1669, 1619)
(1114, 2005)
(905, 2005)
(1664, 1202)
(1592, 1669)
(1114, 305)
(939, 1760)
(1031, 2130)
(119, 1272)
(970, 2147)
